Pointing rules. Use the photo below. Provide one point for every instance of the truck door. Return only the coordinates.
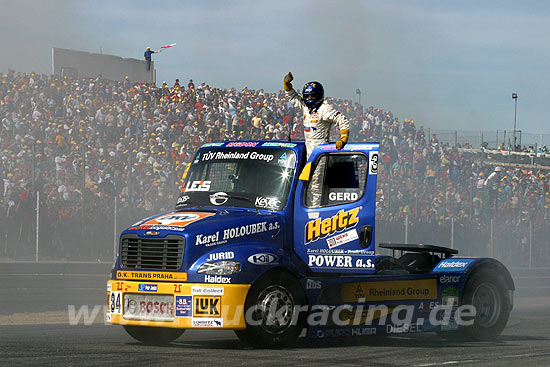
(334, 209)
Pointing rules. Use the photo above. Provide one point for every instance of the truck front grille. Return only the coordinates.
(152, 253)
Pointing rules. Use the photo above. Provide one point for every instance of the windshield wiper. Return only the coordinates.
(244, 199)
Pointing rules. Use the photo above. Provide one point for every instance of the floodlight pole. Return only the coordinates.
(515, 98)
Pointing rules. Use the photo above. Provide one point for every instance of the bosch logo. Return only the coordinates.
(263, 259)
(152, 233)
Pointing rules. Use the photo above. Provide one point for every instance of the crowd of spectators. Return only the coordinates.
(83, 142)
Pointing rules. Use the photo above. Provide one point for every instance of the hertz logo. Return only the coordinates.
(318, 228)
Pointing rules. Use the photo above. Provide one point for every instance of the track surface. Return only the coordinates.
(31, 336)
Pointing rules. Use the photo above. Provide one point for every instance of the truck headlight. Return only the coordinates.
(224, 267)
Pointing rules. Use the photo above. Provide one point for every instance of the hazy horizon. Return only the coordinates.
(446, 65)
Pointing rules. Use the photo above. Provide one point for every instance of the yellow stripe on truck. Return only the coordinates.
(150, 275)
(178, 305)
(393, 290)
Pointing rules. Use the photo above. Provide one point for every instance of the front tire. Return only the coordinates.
(153, 335)
(271, 315)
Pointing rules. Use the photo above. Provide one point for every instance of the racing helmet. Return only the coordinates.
(313, 95)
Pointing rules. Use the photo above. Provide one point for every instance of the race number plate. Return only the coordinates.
(148, 307)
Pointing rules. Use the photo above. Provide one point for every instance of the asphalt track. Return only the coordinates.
(35, 330)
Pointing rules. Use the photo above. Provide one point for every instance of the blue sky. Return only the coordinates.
(445, 64)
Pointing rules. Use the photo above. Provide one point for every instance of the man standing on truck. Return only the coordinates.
(318, 118)
(318, 114)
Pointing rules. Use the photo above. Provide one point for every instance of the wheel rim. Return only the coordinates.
(488, 304)
(275, 309)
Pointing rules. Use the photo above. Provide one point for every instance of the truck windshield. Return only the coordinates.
(244, 177)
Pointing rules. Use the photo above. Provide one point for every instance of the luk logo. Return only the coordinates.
(318, 228)
(207, 306)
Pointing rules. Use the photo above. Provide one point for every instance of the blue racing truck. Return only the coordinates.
(278, 247)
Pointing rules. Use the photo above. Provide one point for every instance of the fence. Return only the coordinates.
(492, 138)
(90, 232)
(525, 245)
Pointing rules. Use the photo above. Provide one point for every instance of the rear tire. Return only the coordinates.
(487, 293)
(274, 323)
(153, 335)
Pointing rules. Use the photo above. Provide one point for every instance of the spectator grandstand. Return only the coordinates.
(89, 146)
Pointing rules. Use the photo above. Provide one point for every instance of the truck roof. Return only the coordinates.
(294, 144)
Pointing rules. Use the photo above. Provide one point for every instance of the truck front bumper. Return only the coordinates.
(176, 304)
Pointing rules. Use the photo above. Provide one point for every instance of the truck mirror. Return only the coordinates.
(306, 173)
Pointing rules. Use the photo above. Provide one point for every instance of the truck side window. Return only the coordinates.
(343, 179)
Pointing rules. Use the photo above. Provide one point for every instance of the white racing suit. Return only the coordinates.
(317, 126)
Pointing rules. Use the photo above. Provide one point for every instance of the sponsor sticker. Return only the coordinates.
(340, 262)
(206, 290)
(313, 284)
(453, 264)
(446, 279)
(373, 162)
(390, 290)
(342, 238)
(247, 144)
(316, 229)
(219, 198)
(207, 306)
(282, 145)
(115, 303)
(197, 186)
(343, 196)
(255, 156)
(227, 255)
(182, 200)
(209, 240)
(184, 306)
(216, 279)
(271, 203)
(149, 307)
(148, 287)
(176, 219)
(208, 145)
(263, 259)
(207, 322)
(150, 275)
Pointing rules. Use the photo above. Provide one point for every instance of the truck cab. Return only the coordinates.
(260, 236)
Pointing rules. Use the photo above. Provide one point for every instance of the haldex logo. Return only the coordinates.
(342, 220)
(453, 264)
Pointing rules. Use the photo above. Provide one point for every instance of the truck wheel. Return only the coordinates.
(153, 335)
(487, 293)
(271, 314)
